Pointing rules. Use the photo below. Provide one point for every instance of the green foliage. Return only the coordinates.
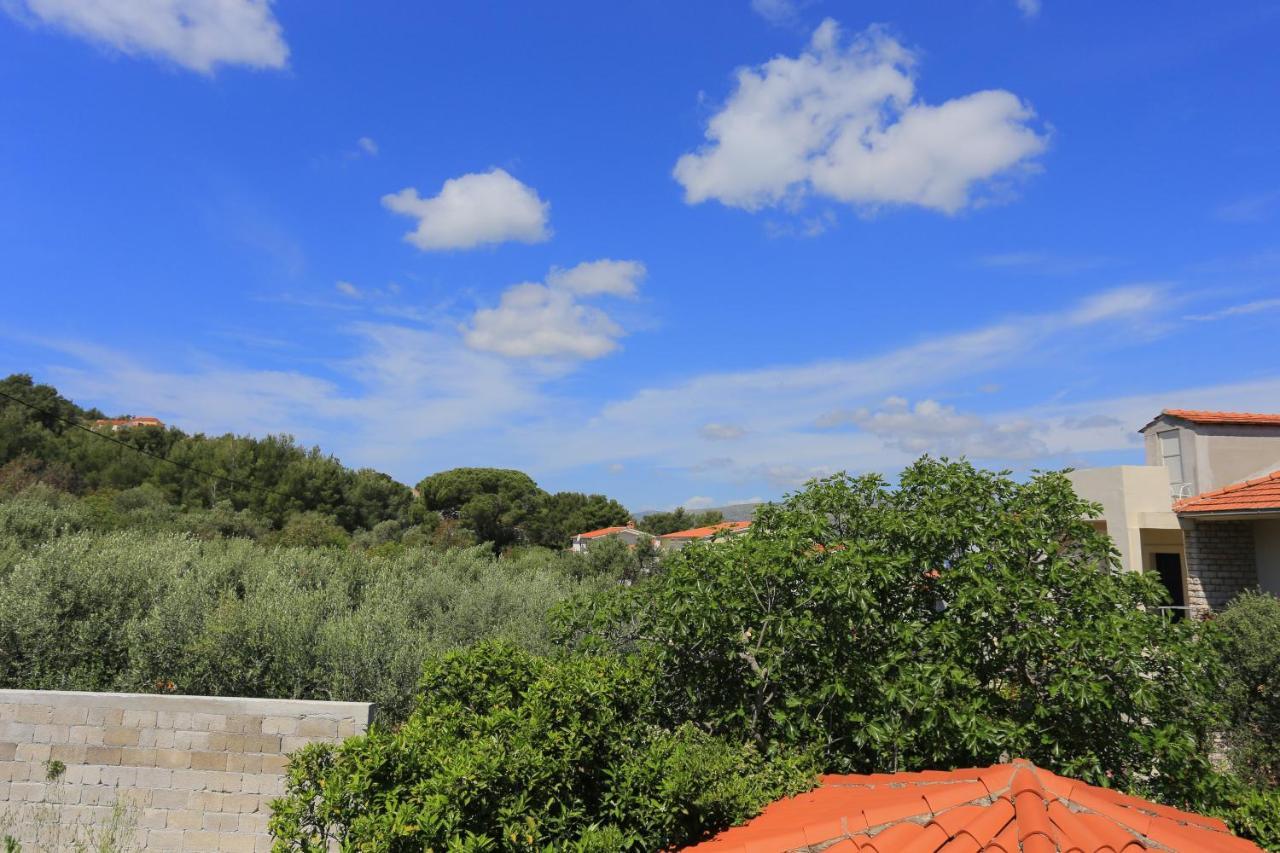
(492, 502)
(660, 523)
(507, 750)
(137, 611)
(1254, 813)
(1248, 631)
(943, 623)
(557, 518)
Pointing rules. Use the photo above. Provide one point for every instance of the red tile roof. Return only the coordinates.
(128, 422)
(709, 530)
(1197, 416)
(1014, 808)
(605, 531)
(1256, 495)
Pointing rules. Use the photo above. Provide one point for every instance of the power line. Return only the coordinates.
(144, 452)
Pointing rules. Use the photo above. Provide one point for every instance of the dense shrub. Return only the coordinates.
(507, 750)
(1249, 637)
(957, 618)
(130, 610)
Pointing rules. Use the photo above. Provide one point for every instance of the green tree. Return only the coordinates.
(1248, 632)
(493, 502)
(956, 618)
(507, 750)
(660, 523)
(557, 518)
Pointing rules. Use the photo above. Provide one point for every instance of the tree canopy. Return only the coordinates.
(660, 523)
(956, 618)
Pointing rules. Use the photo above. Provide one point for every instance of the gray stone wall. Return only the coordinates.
(153, 772)
(1220, 562)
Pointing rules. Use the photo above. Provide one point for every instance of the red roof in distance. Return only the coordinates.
(1012, 808)
(1258, 495)
(709, 530)
(1199, 416)
(605, 531)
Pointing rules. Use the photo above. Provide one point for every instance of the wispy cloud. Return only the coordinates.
(1255, 307)
(194, 34)
(1251, 208)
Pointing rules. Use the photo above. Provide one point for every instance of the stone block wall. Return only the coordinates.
(153, 772)
(1221, 563)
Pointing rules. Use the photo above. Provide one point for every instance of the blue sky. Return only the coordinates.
(673, 252)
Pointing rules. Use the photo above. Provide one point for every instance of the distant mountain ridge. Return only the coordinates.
(731, 512)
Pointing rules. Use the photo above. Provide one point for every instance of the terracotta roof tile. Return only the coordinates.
(1015, 808)
(1201, 416)
(1255, 495)
(604, 531)
(709, 530)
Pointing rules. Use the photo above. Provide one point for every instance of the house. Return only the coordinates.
(118, 424)
(679, 539)
(627, 533)
(1006, 807)
(1203, 512)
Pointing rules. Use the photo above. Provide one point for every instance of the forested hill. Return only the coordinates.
(269, 487)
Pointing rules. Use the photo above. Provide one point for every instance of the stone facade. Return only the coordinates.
(156, 772)
(1221, 562)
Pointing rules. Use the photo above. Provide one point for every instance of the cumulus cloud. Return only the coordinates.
(721, 432)
(842, 121)
(616, 278)
(933, 427)
(474, 210)
(550, 320)
(196, 34)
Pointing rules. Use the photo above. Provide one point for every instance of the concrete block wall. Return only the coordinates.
(1221, 563)
(158, 772)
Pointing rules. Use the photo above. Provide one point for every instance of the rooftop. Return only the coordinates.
(1014, 808)
(1257, 495)
(1200, 416)
(709, 530)
(605, 531)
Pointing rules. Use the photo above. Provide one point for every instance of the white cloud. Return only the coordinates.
(346, 288)
(368, 145)
(550, 321)
(1255, 307)
(474, 210)
(616, 278)
(721, 432)
(698, 502)
(776, 11)
(933, 427)
(1132, 300)
(1029, 8)
(196, 34)
(842, 121)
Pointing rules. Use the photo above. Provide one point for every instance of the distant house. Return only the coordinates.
(1203, 513)
(117, 424)
(679, 539)
(627, 533)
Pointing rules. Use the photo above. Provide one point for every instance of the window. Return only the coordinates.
(1171, 454)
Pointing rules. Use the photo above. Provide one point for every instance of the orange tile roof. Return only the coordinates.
(605, 531)
(1198, 416)
(1014, 808)
(1256, 495)
(709, 530)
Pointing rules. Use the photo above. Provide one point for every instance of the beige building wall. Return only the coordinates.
(1134, 498)
(159, 772)
(1214, 456)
